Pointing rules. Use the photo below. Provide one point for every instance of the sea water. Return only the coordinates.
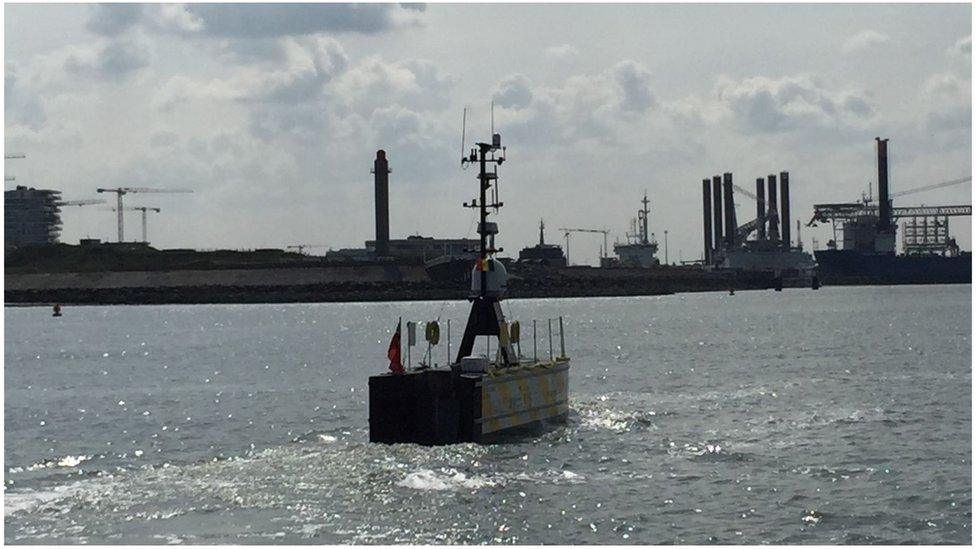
(834, 416)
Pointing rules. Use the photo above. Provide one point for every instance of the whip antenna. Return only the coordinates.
(492, 117)
(464, 120)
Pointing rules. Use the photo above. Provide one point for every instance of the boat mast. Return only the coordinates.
(643, 219)
(486, 316)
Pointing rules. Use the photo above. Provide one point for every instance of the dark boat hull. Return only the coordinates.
(438, 406)
(849, 267)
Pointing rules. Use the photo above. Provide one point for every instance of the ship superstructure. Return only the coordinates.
(639, 250)
(543, 254)
(728, 245)
(863, 247)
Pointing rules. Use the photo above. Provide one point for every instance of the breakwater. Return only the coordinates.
(349, 283)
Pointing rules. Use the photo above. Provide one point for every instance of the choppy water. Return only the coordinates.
(838, 416)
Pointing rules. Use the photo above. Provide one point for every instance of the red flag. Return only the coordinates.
(394, 352)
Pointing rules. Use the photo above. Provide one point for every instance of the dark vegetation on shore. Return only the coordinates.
(114, 274)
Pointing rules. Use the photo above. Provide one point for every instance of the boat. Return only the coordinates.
(476, 398)
(638, 251)
(841, 267)
(862, 250)
(549, 255)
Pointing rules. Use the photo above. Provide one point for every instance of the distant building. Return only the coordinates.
(413, 248)
(31, 216)
(426, 247)
(542, 253)
(416, 248)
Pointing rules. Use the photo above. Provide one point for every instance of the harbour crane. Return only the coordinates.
(743, 231)
(847, 211)
(121, 191)
(605, 232)
(932, 186)
(144, 210)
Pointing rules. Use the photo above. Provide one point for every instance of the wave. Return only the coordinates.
(448, 479)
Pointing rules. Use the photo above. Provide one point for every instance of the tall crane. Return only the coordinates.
(603, 252)
(121, 191)
(79, 202)
(743, 231)
(8, 157)
(144, 210)
(932, 186)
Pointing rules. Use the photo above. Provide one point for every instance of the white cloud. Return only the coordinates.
(21, 107)
(251, 102)
(562, 51)
(113, 59)
(374, 83)
(761, 104)
(947, 102)
(113, 19)
(174, 18)
(253, 20)
(963, 47)
(309, 64)
(513, 92)
(591, 108)
(634, 83)
(864, 40)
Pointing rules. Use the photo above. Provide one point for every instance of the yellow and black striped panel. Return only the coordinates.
(524, 395)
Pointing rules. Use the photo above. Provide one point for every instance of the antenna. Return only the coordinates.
(492, 117)
(464, 120)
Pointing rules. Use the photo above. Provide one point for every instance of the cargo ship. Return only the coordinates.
(639, 250)
(863, 247)
(475, 398)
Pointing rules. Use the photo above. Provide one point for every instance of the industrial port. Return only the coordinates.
(761, 253)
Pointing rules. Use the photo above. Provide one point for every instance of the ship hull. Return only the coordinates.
(849, 267)
(438, 406)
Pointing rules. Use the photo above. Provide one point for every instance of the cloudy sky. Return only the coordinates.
(272, 113)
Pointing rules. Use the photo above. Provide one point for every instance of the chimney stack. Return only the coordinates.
(707, 219)
(717, 209)
(771, 202)
(730, 225)
(784, 210)
(381, 180)
(761, 207)
(884, 203)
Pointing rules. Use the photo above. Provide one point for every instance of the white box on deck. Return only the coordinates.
(474, 364)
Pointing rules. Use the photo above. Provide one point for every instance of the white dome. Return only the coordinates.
(497, 281)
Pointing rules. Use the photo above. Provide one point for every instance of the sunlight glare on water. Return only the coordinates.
(836, 416)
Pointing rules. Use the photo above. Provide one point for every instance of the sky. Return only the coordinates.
(272, 114)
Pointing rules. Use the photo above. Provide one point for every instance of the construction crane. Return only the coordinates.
(8, 157)
(302, 247)
(603, 251)
(745, 192)
(79, 202)
(144, 210)
(121, 191)
(743, 231)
